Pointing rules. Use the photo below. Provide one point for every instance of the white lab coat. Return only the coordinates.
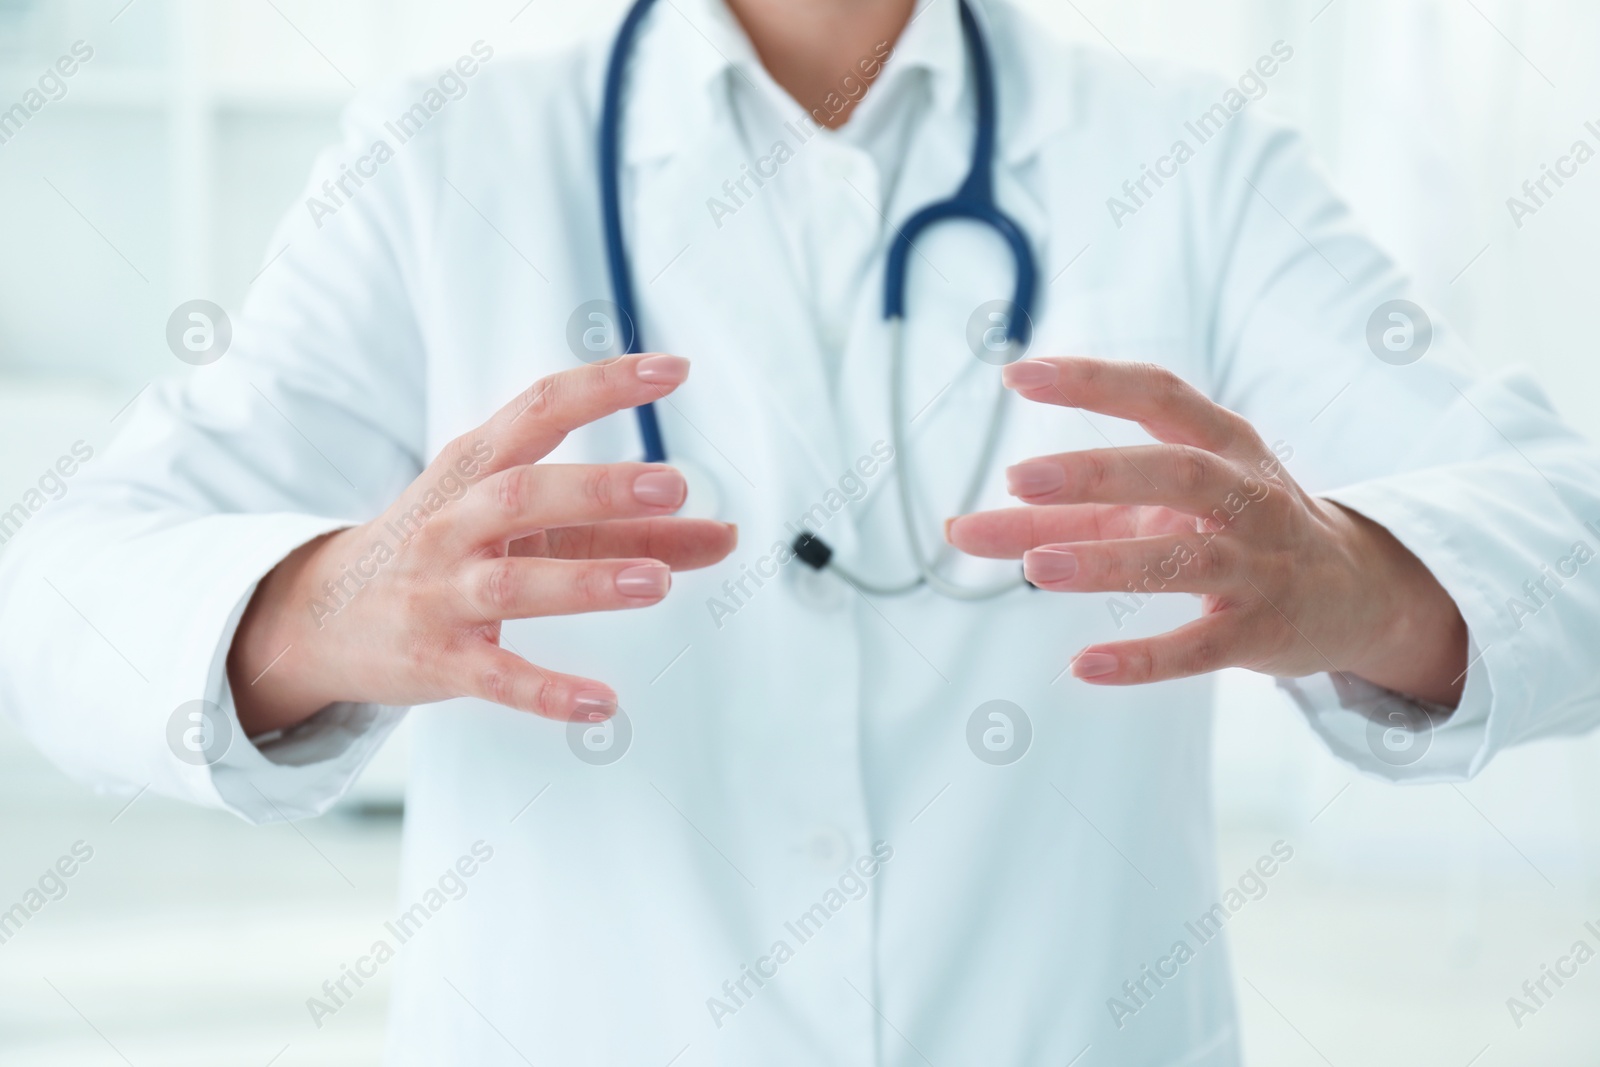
(773, 747)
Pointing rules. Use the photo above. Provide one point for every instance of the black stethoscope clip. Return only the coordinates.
(812, 550)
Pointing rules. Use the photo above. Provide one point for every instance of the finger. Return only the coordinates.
(1169, 408)
(1177, 476)
(1007, 533)
(682, 544)
(1172, 563)
(531, 497)
(1199, 647)
(500, 677)
(518, 587)
(540, 417)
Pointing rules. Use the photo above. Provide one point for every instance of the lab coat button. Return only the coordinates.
(857, 169)
(838, 163)
(827, 849)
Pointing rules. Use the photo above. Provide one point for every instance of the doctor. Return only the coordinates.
(759, 814)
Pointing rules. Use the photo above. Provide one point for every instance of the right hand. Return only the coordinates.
(485, 534)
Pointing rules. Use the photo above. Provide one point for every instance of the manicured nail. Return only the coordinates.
(650, 580)
(1094, 664)
(662, 370)
(1049, 564)
(1034, 478)
(594, 705)
(662, 489)
(1028, 374)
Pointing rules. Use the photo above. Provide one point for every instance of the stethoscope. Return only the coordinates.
(974, 201)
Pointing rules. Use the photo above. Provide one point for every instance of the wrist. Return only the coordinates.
(273, 662)
(1413, 640)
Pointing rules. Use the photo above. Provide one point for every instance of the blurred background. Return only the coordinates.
(1409, 916)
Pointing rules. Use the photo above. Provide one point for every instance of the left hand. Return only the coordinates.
(1290, 584)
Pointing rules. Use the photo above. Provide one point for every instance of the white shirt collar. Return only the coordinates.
(689, 49)
(677, 91)
(931, 42)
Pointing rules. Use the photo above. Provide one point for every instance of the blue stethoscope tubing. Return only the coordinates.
(655, 450)
(974, 201)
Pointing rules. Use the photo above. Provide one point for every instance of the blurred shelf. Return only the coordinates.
(271, 98)
(150, 89)
(91, 86)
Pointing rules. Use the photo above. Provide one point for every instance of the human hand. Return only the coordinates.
(486, 533)
(1290, 584)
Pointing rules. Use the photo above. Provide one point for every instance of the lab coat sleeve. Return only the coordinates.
(1473, 473)
(119, 601)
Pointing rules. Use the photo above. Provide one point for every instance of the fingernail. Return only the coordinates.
(1034, 478)
(1094, 664)
(662, 489)
(948, 524)
(1049, 565)
(1028, 374)
(644, 580)
(662, 370)
(594, 705)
